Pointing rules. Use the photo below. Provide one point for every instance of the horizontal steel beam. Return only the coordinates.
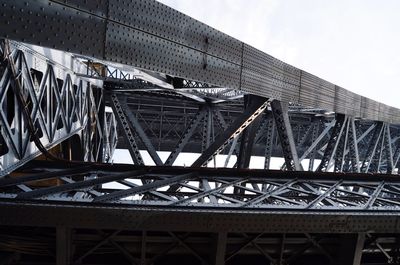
(47, 214)
(230, 190)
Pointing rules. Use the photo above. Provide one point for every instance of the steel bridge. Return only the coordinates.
(80, 78)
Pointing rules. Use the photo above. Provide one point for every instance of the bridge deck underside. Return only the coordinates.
(102, 214)
(121, 246)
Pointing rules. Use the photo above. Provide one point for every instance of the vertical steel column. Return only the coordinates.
(282, 250)
(270, 135)
(248, 136)
(143, 249)
(352, 152)
(388, 151)
(396, 158)
(246, 145)
(219, 248)
(314, 136)
(359, 246)
(209, 127)
(333, 143)
(341, 147)
(373, 143)
(375, 164)
(63, 245)
(280, 113)
(206, 133)
(231, 150)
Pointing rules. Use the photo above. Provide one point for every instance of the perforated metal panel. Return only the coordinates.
(370, 109)
(52, 25)
(149, 35)
(199, 220)
(129, 46)
(316, 92)
(160, 20)
(265, 75)
(97, 7)
(383, 112)
(347, 102)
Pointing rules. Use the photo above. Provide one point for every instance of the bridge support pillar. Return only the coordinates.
(280, 112)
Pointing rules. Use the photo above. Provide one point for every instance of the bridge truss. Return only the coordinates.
(80, 78)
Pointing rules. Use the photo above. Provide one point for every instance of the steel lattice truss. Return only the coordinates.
(152, 79)
(60, 105)
(203, 215)
(156, 112)
(180, 187)
(171, 122)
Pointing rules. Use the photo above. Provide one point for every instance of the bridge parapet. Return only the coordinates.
(149, 35)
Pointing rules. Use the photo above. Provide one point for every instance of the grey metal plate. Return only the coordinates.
(265, 75)
(129, 46)
(316, 92)
(52, 25)
(201, 220)
(152, 36)
(97, 7)
(268, 87)
(347, 102)
(370, 108)
(160, 20)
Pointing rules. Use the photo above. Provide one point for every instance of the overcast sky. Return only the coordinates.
(352, 43)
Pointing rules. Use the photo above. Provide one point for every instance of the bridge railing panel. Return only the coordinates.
(316, 92)
(149, 35)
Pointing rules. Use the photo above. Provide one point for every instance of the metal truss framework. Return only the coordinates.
(169, 213)
(201, 187)
(299, 136)
(341, 143)
(197, 90)
(251, 207)
(60, 105)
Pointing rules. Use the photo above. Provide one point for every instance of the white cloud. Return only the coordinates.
(352, 43)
